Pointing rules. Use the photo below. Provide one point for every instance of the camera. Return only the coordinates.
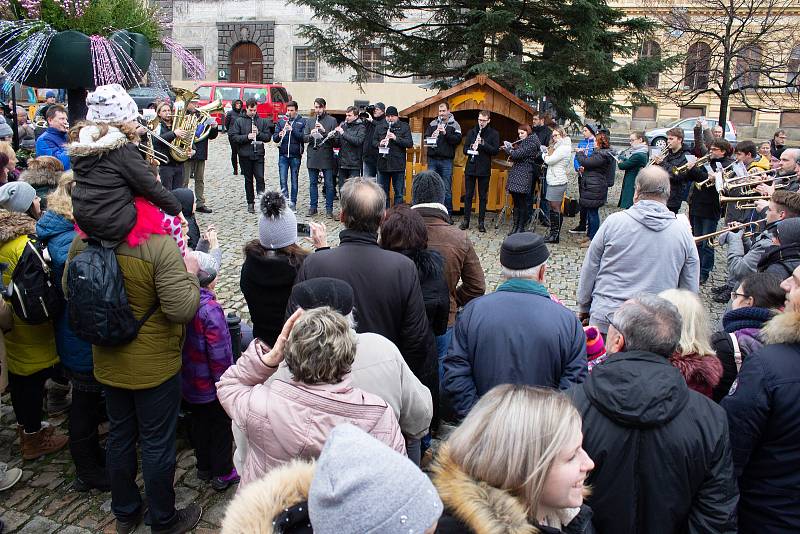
(366, 112)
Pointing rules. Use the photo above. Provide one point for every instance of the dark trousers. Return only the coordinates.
(235, 157)
(27, 393)
(582, 218)
(444, 167)
(370, 169)
(592, 221)
(520, 209)
(211, 438)
(674, 209)
(171, 176)
(84, 417)
(346, 174)
(252, 169)
(396, 180)
(149, 417)
(702, 226)
(469, 192)
(313, 188)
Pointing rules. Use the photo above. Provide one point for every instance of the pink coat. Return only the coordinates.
(285, 420)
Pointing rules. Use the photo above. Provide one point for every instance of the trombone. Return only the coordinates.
(713, 236)
(743, 203)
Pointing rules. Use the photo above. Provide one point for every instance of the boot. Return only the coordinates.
(515, 226)
(58, 401)
(45, 441)
(481, 226)
(187, 519)
(555, 228)
(90, 472)
(251, 208)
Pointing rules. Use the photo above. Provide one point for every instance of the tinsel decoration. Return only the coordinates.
(25, 57)
(156, 79)
(131, 72)
(104, 61)
(194, 67)
(74, 8)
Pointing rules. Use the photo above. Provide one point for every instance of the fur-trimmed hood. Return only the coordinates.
(701, 373)
(88, 146)
(783, 328)
(257, 504)
(13, 225)
(40, 177)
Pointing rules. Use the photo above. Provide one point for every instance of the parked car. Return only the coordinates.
(144, 96)
(658, 137)
(272, 98)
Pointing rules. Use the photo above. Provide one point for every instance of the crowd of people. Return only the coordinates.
(632, 414)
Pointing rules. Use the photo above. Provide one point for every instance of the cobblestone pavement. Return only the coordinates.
(43, 501)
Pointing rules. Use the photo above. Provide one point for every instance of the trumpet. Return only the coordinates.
(711, 180)
(685, 167)
(713, 236)
(750, 185)
(743, 203)
(660, 155)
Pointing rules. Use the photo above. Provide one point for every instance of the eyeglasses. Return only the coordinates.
(610, 321)
(734, 294)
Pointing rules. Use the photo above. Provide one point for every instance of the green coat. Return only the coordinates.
(153, 270)
(631, 166)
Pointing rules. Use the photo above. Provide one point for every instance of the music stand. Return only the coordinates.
(537, 204)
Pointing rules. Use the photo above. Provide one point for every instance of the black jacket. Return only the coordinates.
(241, 129)
(676, 181)
(397, 311)
(595, 177)
(291, 144)
(165, 132)
(520, 177)
(395, 160)
(201, 147)
(266, 283)
(764, 415)
(232, 115)
(351, 144)
(661, 451)
(780, 260)
(481, 164)
(704, 201)
(370, 153)
(319, 153)
(445, 147)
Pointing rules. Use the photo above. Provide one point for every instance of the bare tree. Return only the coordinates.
(738, 50)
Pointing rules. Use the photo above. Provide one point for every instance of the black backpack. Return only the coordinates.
(99, 312)
(34, 291)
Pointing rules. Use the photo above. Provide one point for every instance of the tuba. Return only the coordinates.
(182, 146)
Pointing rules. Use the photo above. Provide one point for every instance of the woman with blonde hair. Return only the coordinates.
(558, 159)
(515, 465)
(694, 357)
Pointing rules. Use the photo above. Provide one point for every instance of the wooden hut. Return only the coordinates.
(466, 100)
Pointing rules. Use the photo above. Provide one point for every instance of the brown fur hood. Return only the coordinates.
(257, 504)
(13, 225)
(87, 145)
(482, 508)
(40, 177)
(700, 371)
(783, 328)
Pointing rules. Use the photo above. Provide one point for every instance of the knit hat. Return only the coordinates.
(392, 111)
(208, 267)
(592, 127)
(361, 486)
(51, 94)
(595, 347)
(427, 187)
(5, 129)
(789, 231)
(381, 106)
(110, 103)
(17, 196)
(523, 251)
(186, 197)
(318, 292)
(277, 225)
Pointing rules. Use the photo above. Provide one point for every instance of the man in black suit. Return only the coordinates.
(481, 144)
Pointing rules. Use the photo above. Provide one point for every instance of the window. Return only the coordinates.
(228, 93)
(697, 66)
(644, 113)
(196, 52)
(742, 116)
(305, 65)
(259, 93)
(748, 67)
(793, 69)
(688, 112)
(203, 92)
(790, 119)
(371, 58)
(651, 50)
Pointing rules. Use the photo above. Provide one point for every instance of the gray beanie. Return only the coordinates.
(277, 226)
(17, 196)
(789, 231)
(5, 129)
(427, 187)
(208, 267)
(361, 486)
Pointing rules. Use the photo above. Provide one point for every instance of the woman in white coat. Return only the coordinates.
(558, 159)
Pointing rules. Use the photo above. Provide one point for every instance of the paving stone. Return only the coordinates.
(14, 520)
(40, 525)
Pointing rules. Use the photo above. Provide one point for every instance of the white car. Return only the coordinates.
(658, 137)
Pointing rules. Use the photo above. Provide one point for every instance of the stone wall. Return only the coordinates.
(261, 33)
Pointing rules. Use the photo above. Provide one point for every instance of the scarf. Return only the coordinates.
(524, 285)
(752, 317)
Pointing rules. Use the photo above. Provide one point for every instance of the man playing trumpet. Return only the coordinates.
(672, 159)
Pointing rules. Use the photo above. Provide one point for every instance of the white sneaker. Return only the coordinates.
(11, 477)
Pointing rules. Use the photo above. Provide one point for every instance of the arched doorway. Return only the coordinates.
(247, 64)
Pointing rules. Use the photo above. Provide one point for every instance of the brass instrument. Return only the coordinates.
(743, 203)
(150, 153)
(685, 167)
(711, 180)
(40, 123)
(661, 154)
(712, 237)
(750, 185)
(151, 133)
(182, 146)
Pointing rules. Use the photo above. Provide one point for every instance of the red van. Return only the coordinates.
(272, 98)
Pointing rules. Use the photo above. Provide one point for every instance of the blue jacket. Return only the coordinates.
(764, 417)
(58, 233)
(517, 335)
(53, 143)
(291, 145)
(584, 143)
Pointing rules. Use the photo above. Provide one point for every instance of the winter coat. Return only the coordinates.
(278, 498)
(284, 420)
(163, 145)
(350, 143)
(370, 153)
(775, 150)
(153, 272)
(242, 128)
(558, 163)
(704, 201)
(395, 160)
(780, 260)
(45, 182)
(520, 176)
(6, 324)
(644, 249)
(207, 351)
(544, 133)
(109, 172)
(481, 164)
(741, 263)
(397, 311)
(701, 372)
(319, 153)
(661, 451)
(58, 232)
(379, 368)
(266, 283)
(764, 415)
(631, 165)
(201, 147)
(588, 145)
(676, 181)
(445, 147)
(232, 115)
(291, 144)
(53, 143)
(460, 260)
(516, 335)
(702, 140)
(474, 507)
(746, 325)
(29, 347)
(594, 180)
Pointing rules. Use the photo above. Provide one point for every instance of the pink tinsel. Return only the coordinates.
(32, 7)
(74, 8)
(194, 67)
(104, 62)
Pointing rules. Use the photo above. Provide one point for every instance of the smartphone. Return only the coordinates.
(303, 229)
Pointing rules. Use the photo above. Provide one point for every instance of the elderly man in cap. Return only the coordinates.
(516, 335)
